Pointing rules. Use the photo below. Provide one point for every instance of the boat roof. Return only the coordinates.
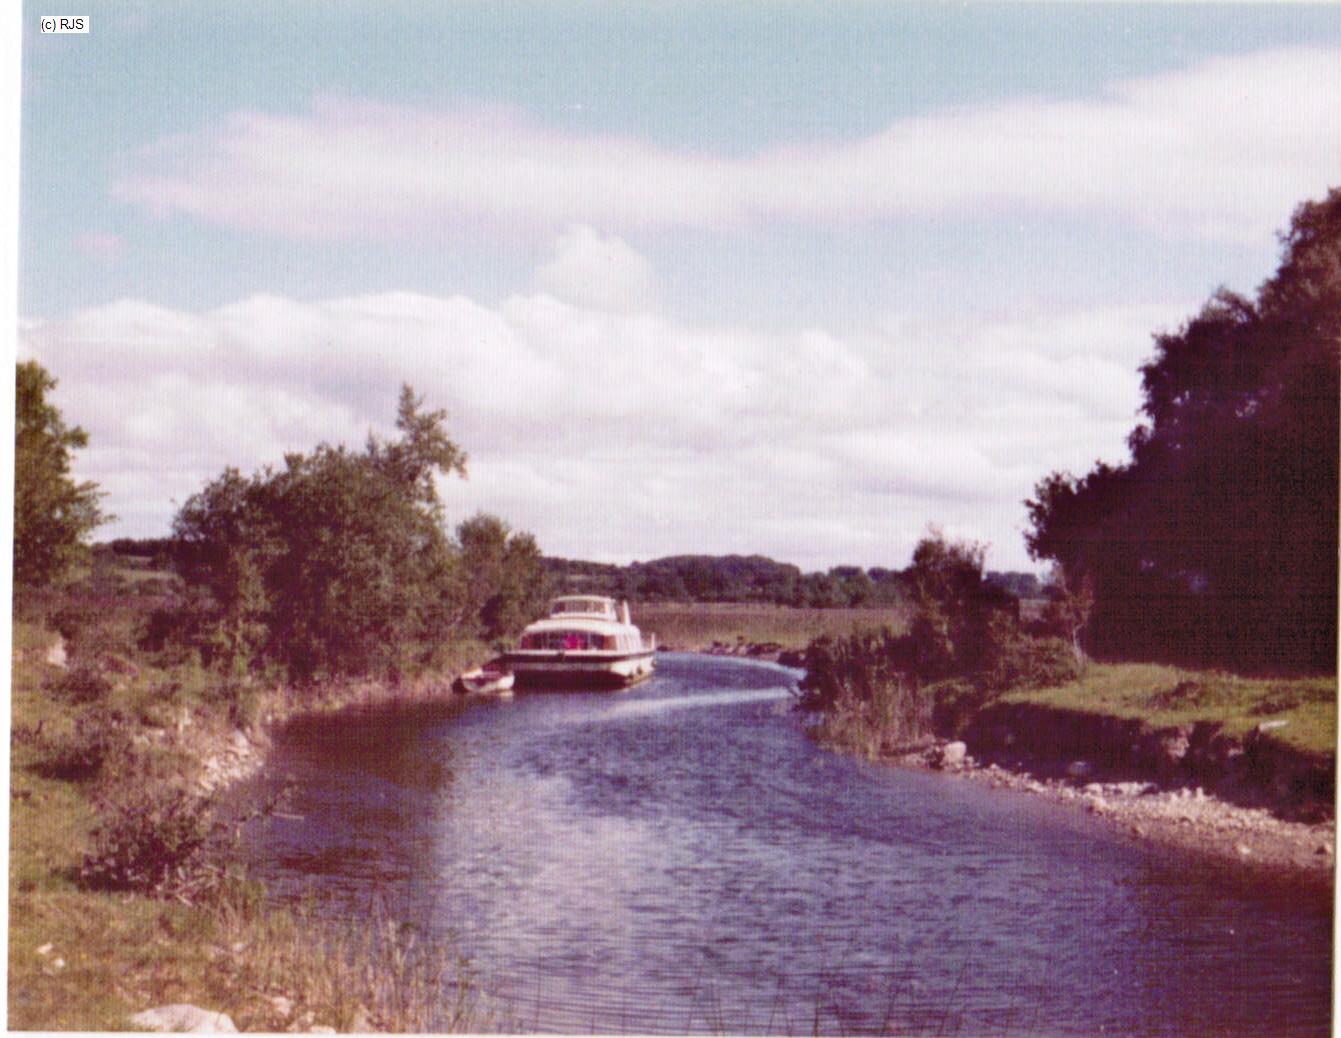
(594, 624)
(598, 606)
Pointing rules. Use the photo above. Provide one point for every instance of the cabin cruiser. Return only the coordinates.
(585, 640)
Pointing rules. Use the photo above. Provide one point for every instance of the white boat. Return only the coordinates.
(491, 679)
(587, 641)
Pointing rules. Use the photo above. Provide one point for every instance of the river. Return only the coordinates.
(681, 858)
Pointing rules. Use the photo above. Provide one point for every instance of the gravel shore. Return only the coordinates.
(1190, 819)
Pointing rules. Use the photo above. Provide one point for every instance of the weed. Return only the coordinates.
(150, 841)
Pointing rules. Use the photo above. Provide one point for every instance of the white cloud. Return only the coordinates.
(1222, 150)
(615, 435)
(596, 270)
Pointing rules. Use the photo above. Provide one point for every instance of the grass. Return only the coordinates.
(694, 626)
(82, 959)
(1169, 696)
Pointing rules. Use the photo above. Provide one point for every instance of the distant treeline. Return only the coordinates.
(753, 578)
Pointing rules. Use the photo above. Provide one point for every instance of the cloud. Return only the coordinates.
(614, 435)
(597, 270)
(103, 246)
(1222, 150)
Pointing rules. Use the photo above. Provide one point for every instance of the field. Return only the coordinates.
(689, 626)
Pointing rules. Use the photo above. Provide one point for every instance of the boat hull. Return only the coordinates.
(535, 669)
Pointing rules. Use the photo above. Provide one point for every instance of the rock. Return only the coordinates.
(184, 1018)
(1079, 769)
(281, 1005)
(45, 949)
(1098, 806)
(1269, 726)
(952, 754)
(56, 656)
(1324, 848)
(1243, 850)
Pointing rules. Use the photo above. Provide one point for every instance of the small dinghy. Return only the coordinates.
(491, 679)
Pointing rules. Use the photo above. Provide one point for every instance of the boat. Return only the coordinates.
(586, 641)
(491, 679)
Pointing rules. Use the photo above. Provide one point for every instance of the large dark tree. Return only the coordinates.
(1217, 541)
(52, 513)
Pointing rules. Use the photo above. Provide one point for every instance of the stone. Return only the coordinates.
(281, 1005)
(56, 656)
(1243, 849)
(1079, 769)
(1324, 848)
(45, 949)
(953, 754)
(182, 1018)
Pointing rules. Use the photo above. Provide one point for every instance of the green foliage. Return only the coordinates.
(504, 584)
(1216, 541)
(964, 647)
(732, 578)
(335, 564)
(76, 750)
(82, 683)
(52, 513)
(149, 841)
(863, 686)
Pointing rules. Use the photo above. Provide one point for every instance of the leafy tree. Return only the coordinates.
(52, 513)
(505, 585)
(1216, 541)
(335, 564)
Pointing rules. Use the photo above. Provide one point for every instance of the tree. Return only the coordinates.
(52, 513)
(335, 564)
(1216, 541)
(505, 586)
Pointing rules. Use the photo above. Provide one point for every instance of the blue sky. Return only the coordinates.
(798, 279)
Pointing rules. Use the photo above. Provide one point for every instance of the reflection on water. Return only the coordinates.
(681, 858)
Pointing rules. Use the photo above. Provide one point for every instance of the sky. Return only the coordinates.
(795, 279)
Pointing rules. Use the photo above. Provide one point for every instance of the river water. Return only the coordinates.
(682, 858)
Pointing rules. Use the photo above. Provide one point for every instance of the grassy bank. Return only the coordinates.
(107, 729)
(691, 626)
(1300, 711)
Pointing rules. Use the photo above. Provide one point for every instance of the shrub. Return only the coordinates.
(149, 841)
(82, 683)
(78, 752)
(1018, 660)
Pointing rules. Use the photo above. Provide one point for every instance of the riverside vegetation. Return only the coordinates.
(1213, 547)
(136, 692)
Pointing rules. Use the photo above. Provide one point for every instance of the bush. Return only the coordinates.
(1019, 660)
(82, 683)
(148, 841)
(79, 752)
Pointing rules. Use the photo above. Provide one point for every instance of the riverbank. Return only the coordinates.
(1185, 818)
(103, 743)
(1242, 770)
